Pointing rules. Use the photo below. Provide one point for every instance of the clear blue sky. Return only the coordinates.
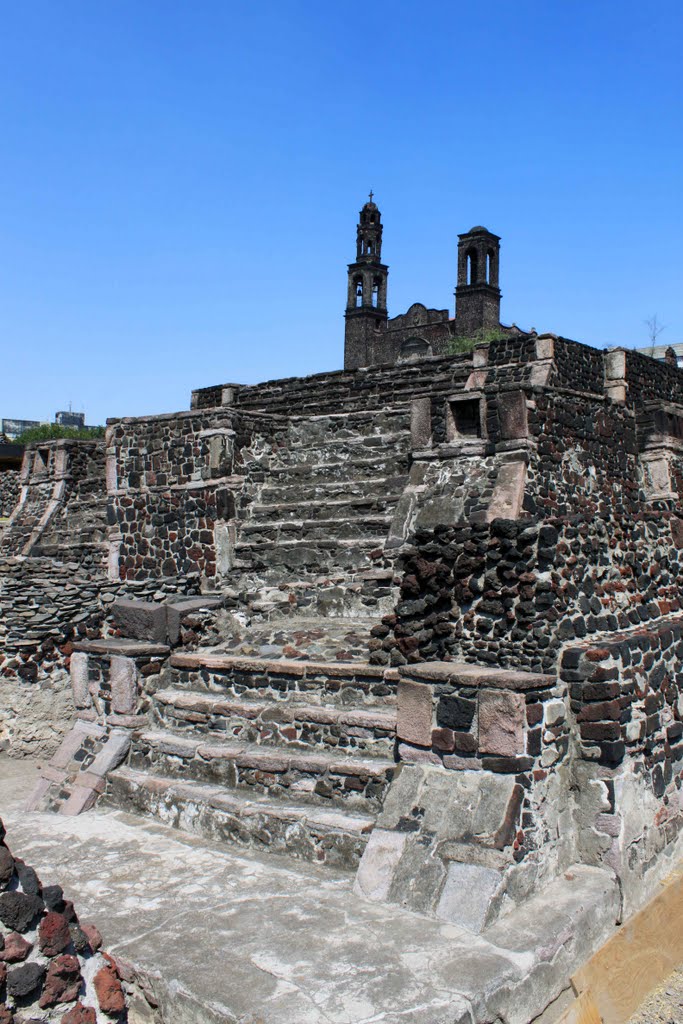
(180, 182)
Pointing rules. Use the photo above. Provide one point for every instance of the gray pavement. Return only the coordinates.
(216, 935)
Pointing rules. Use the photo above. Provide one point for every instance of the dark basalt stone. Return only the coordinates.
(19, 909)
(30, 882)
(23, 981)
(53, 897)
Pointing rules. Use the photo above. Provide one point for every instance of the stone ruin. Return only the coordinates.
(419, 621)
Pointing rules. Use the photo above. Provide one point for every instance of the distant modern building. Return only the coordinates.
(659, 352)
(12, 428)
(70, 419)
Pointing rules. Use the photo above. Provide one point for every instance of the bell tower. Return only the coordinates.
(366, 303)
(477, 295)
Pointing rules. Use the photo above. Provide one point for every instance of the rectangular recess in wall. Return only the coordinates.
(464, 417)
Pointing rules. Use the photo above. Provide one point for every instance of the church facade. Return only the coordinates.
(373, 338)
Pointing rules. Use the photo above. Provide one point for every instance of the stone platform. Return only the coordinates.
(216, 936)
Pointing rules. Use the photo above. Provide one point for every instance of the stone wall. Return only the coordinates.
(171, 480)
(63, 502)
(46, 607)
(627, 716)
(10, 488)
(594, 547)
(377, 388)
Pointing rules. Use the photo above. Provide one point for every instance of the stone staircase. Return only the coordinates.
(288, 756)
(283, 738)
(313, 540)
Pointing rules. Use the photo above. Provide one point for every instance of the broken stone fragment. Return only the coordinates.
(18, 910)
(62, 982)
(109, 992)
(93, 936)
(15, 948)
(53, 934)
(79, 938)
(78, 1014)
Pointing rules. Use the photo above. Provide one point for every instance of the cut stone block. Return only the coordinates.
(468, 895)
(420, 423)
(508, 493)
(140, 620)
(79, 679)
(501, 723)
(123, 677)
(378, 864)
(414, 717)
(112, 753)
(82, 799)
(512, 415)
(177, 609)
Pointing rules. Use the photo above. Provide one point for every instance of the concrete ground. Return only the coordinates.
(216, 935)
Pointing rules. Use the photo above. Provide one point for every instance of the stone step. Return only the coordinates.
(369, 594)
(304, 831)
(385, 463)
(345, 684)
(312, 777)
(315, 556)
(368, 731)
(329, 508)
(322, 491)
(256, 531)
(348, 448)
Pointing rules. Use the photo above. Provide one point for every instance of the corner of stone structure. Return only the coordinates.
(465, 831)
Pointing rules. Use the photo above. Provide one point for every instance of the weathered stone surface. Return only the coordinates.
(468, 895)
(414, 712)
(376, 870)
(80, 682)
(502, 718)
(123, 678)
(140, 620)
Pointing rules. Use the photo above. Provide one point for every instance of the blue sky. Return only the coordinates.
(180, 182)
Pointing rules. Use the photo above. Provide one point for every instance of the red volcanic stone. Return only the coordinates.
(597, 654)
(3, 974)
(78, 1014)
(53, 934)
(16, 948)
(62, 982)
(92, 935)
(109, 992)
(6, 1015)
